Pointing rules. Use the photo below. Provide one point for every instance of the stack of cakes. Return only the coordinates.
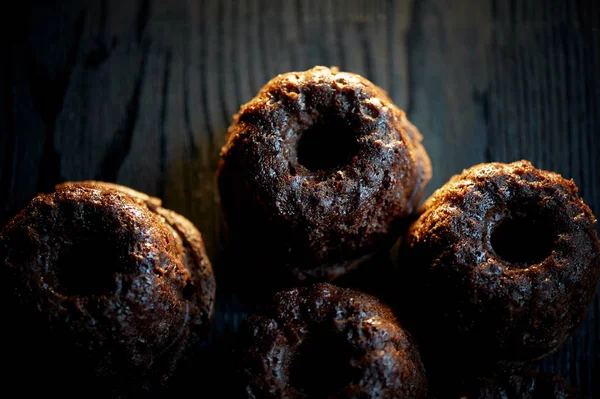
(321, 174)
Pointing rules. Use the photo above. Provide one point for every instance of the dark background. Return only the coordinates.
(141, 93)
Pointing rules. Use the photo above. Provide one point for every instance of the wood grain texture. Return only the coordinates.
(541, 106)
(141, 93)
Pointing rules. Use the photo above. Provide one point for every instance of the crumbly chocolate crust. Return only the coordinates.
(501, 264)
(105, 287)
(323, 341)
(317, 170)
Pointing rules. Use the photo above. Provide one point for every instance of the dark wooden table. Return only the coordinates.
(141, 93)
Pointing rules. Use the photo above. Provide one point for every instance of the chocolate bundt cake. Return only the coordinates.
(323, 341)
(316, 173)
(503, 262)
(103, 289)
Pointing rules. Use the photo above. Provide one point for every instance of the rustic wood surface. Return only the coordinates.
(141, 93)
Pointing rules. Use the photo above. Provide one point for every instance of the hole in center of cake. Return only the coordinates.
(321, 366)
(524, 238)
(87, 267)
(326, 145)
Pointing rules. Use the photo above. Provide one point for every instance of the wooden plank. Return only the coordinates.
(541, 107)
(7, 138)
(144, 165)
(42, 57)
(95, 128)
(447, 49)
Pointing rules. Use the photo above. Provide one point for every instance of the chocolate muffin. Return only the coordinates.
(317, 171)
(103, 290)
(322, 342)
(502, 262)
(526, 385)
